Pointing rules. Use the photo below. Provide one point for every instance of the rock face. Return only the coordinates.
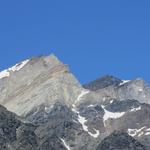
(111, 87)
(15, 135)
(120, 141)
(53, 111)
(55, 134)
(41, 81)
(102, 83)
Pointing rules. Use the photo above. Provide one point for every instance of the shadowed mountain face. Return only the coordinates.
(16, 135)
(102, 83)
(53, 111)
(120, 141)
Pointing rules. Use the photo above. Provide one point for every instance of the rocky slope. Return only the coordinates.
(16, 135)
(120, 141)
(55, 112)
(35, 82)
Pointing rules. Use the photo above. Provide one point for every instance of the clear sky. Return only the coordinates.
(95, 37)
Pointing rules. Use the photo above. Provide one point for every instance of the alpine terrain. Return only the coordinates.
(44, 107)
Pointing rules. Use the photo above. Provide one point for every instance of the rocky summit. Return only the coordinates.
(44, 107)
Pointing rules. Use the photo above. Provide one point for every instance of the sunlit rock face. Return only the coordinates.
(41, 81)
(110, 87)
(52, 110)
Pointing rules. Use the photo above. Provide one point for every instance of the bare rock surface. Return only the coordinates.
(44, 107)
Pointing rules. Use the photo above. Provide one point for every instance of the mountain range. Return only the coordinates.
(44, 107)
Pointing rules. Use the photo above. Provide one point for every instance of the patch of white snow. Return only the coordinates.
(140, 90)
(111, 101)
(124, 82)
(148, 129)
(113, 115)
(134, 132)
(83, 93)
(65, 144)
(17, 67)
(135, 109)
(140, 134)
(82, 120)
(90, 106)
(94, 135)
(48, 109)
(4, 74)
(148, 133)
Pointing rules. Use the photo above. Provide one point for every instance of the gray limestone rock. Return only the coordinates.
(54, 112)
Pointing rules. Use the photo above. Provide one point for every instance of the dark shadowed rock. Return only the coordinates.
(102, 83)
(8, 125)
(122, 106)
(120, 141)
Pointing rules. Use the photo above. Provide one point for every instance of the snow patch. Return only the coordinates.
(48, 109)
(94, 135)
(82, 120)
(19, 66)
(4, 74)
(140, 90)
(113, 115)
(135, 109)
(148, 133)
(132, 132)
(83, 93)
(90, 106)
(74, 109)
(148, 129)
(65, 144)
(136, 132)
(124, 82)
(140, 134)
(111, 101)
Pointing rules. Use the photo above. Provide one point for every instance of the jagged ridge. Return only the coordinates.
(58, 113)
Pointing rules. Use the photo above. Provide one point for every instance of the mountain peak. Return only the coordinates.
(102, 82)
(41, 80)
(43, 92)
(52, 57)
(49, 61)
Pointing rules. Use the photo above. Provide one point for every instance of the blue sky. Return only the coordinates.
(94, 37)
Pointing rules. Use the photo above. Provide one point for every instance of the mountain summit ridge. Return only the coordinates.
(57, 112)
(33, 78)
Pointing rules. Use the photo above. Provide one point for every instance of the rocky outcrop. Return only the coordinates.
(109, 87)
(14, 134)
(103, 83)
(54, 112)
(120, 141)
(41, 81)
